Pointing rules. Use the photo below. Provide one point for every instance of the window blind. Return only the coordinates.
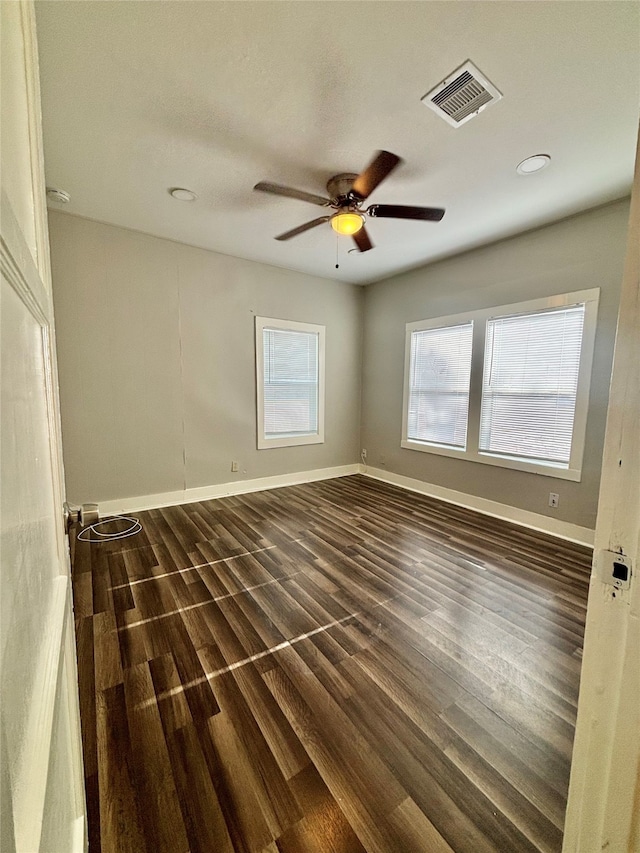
(440, 369)
(530, 383)
(290, 382)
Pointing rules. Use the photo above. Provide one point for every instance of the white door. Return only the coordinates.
(41, 768)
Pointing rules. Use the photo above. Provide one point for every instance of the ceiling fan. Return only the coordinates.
(347, 192)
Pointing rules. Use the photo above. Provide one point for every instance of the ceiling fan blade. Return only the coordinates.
(302, 228)
(290, 192)
(402, 211)
(377, 170)
(362, 240)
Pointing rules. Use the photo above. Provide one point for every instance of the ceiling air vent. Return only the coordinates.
(462, 95)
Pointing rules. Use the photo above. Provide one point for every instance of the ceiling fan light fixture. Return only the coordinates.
(347, 222)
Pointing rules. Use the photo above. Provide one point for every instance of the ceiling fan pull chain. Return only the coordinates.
(337, 247)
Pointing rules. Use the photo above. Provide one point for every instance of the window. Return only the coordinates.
(531, 366)
(439, 385)
(506, 386)
(290, 383)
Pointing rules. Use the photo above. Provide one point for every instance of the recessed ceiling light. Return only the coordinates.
(182, 195)
(533, 164)
(61, 196)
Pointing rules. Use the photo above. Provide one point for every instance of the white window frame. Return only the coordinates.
(565, 471)
(263, 323)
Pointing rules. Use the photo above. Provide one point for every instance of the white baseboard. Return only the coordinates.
(206, 493)
(533, 520)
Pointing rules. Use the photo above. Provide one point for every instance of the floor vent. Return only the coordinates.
(462, 95)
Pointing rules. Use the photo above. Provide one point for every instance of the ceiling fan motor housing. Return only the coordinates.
(339, 188)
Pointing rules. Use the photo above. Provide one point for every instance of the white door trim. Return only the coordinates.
(603, 810)
(50, 734)
(16, 262)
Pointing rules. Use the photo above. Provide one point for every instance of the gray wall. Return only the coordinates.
(156, 361)
(582, 252)
(156, 358)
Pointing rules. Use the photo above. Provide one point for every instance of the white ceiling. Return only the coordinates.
(215, 96)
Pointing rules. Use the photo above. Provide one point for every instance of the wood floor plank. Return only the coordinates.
(204, 820)
(101, 581)
(140, 562)
(85, 651)
(120, 589)
(287, 750)
(324, 828)
(460, 811)
(197, 689)
(541, 761)
(108, 664)
(164, 535)
(92, 794)
(133, 637)
(525, 816)
(339, 773)
(172, 702)
(120, 811)
(500, 753)
(82, 595)
(443, 809)
(277, 802)
(416, 830)
(232, 771)
(333, 667)
(247, 630)
(152, 766)
(376, 787)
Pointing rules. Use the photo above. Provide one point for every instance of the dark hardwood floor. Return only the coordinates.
(335, 667)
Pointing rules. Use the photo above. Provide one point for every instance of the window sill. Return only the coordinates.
(289, 441)
(547, 469)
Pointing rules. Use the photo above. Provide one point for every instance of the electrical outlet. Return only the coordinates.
(363, 453)
(554, 499)
(234, 467)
